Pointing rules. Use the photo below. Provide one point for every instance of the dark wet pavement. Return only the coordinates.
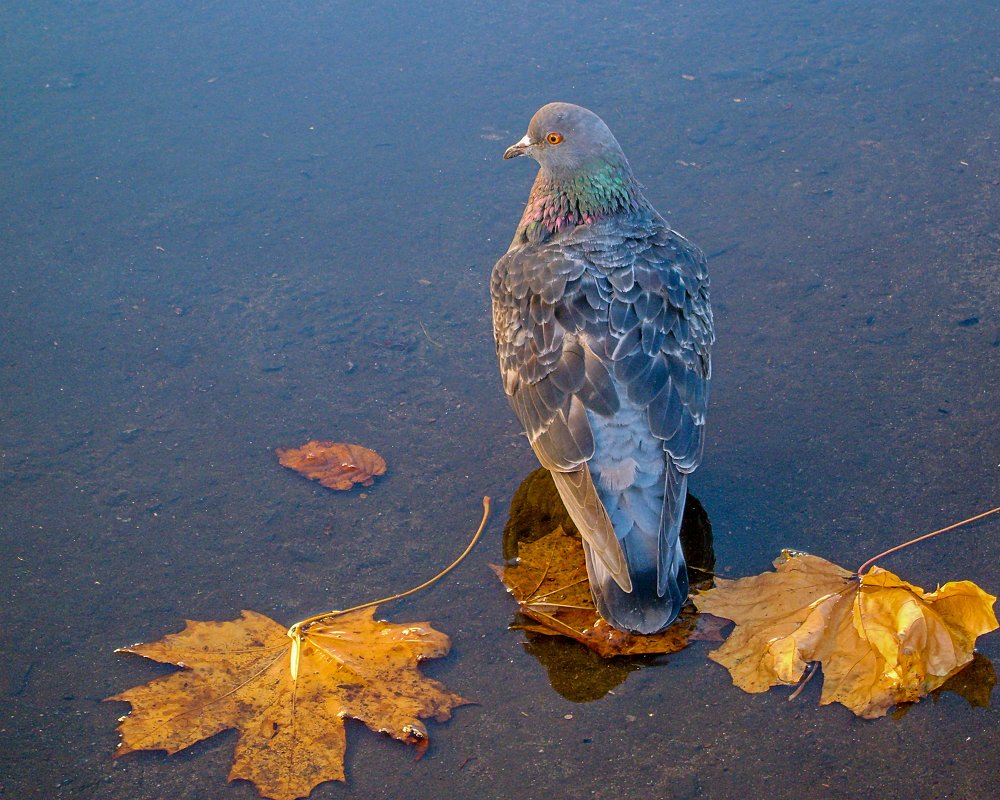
(230, 229)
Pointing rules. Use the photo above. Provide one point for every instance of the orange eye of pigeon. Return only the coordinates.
(554, 138)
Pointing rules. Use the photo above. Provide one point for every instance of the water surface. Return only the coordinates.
(232, 227)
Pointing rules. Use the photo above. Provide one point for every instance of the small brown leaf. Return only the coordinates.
(287, 700)
(335, 465)
(550, 584)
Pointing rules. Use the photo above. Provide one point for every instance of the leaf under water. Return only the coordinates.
(335, 465)
(549, 581)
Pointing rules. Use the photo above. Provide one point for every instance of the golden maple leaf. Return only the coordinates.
(287, 697)
(879, 639)
(550, 584)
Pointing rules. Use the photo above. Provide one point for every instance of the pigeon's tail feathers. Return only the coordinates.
(653, 555)
(671, 569)
(585, 508)
(643, 610)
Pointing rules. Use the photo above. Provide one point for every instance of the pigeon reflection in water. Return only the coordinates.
(576, 672)
(603, 330)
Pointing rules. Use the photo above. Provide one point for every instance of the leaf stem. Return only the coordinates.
(298, 628)
(871, 561)
(811, 669)
(429, 339)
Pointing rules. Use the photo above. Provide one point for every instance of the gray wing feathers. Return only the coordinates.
(670, 530)
(585, 508)
(561, 440)
(617, 308)
(542, 306)
(550, 372)
(659, 341)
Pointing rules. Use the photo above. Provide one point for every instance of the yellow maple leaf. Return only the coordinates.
(287, 697)
(879, 639)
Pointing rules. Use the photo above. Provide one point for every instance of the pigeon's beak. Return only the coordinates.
(518, 149)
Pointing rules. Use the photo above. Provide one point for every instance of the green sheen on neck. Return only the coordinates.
(558, 203)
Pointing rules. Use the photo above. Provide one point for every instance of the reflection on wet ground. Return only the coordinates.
(567, 653)
(564, 646)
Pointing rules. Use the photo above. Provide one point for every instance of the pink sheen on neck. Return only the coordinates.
(555, 207)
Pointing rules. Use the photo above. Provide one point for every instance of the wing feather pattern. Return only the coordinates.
(614, 311)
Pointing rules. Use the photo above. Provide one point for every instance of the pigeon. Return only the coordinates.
(603, 332)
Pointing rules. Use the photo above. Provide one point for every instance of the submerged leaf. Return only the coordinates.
(238, 674)
(335, 465)
(879, 639)
(550, 584)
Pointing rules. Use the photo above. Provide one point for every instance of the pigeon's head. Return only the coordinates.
(567, 140)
